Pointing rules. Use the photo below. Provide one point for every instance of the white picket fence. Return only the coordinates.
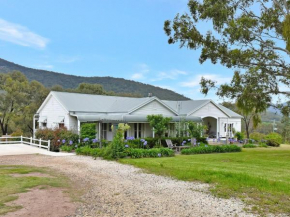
(25, 140)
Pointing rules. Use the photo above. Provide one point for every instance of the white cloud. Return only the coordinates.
(214, 77)
(142, 69)
(172, 75)
(21, 35)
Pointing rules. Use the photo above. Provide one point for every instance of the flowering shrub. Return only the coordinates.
(211, 149)
(58, 137)
(154, 152)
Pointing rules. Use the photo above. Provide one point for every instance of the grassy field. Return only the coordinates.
(259, 176)
(9, 185)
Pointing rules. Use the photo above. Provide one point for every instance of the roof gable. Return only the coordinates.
(209, 109)
(153, 106)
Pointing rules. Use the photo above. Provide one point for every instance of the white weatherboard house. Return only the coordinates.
(71, 109)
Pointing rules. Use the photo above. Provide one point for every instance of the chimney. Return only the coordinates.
(149, 94)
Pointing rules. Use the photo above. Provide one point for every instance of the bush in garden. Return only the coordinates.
(274, 139)
(263, 145)
(57, 137)
(249, 146)
(88, 151)
(257, 136)
(239, 135)
(88, 130)
(67, 148)
(154, 152)
(211, 149)
(195, 129)
(116, 148)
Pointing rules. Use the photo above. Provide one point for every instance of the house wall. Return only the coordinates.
(209, 110)
(52, 110)
(237, 124)
(153, 108)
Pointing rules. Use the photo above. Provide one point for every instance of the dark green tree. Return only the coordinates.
(159, 124)
(250, 36)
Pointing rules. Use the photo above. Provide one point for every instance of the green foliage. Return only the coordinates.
(249, 146)
(252, 36)
(67, 148)
(286, 129)
(239, 135)
(211, 149)
(274, 139)
(88, 151)
(58, 137)
(19, 100)
(116, 149)
(263, 145)
(195, 129)
(159, 124)
(154, 152)
(88, 130)
(151, 142)
(257, 136)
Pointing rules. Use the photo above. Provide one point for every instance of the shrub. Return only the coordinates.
(16, 133)
(257, 136)
(151, 142)
(263, 145)
(249, 146)
(88, 130)
(239, 135)
(154, 152)
(274, 139)
(88, 151)
(67, 148)
(58, 137)
(211, 149)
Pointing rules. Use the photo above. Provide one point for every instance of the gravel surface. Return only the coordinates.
(113, 189)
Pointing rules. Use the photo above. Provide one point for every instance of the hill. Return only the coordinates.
(118, 85)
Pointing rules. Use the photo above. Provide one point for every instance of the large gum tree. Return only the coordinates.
(250, 36)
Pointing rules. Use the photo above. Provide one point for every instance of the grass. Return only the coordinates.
(260, 177)
(10, 186)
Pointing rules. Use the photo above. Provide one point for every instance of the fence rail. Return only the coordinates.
(25, 140)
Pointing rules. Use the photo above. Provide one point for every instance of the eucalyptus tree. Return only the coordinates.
(252, 37)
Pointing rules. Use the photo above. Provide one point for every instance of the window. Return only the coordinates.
(110, 127)
(125, 134)
(137, 130)
(104, 130)
(61, 125)
(225, 128)
(44, 125)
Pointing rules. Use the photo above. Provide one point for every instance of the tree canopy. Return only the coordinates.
(250, 36)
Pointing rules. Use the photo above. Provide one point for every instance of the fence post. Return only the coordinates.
(30, 140)
(48, 143)
(40, 143)
(6, 137)
(21, 139)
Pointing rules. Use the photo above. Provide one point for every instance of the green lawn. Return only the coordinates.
(259, 176)
(9, 185)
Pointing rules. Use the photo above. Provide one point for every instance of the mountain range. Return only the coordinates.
(118, 85)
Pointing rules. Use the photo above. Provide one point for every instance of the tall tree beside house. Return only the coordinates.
(250, 36)
(19, 99)
(159, 124)
(251, 119)
(286, 123)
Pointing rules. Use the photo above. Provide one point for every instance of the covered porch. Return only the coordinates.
(139, 126)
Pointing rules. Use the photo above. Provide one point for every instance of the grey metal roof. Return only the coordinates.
(186, 106)
(230, 112)
(89, 103)
(97, 103)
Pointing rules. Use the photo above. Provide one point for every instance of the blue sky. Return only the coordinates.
(104, 38)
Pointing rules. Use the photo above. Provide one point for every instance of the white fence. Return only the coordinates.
(25, 140)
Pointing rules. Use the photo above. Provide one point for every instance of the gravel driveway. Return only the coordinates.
(113, 189)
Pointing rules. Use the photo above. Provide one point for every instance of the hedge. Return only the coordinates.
(151, 142)
(154, 152)
(211, 149)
